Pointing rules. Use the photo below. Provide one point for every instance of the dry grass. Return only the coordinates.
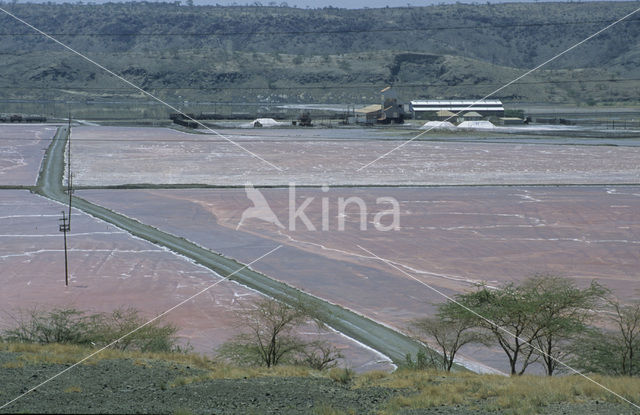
(31, 353)
(521, 394)
(416, 389)
(370, 378)
(73, 389)
(15, 364)
(342, 375)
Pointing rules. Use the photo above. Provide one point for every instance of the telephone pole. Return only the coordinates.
(69, 177)
(65, 227)
(70, 191)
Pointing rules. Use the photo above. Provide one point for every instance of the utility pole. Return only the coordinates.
(64, 227)
(70, 191)
(69, 177)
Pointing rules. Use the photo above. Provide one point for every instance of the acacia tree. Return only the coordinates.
(269, 339)
(563, 313)
(319, 355)
(533, 321)
(449, 333)
(612, 351)
(508, 314)
(627, 321)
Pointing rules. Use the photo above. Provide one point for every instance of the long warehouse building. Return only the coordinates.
(424, 109)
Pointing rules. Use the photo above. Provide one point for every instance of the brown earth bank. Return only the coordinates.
(449, 239)
(109, 269)
(116, 382)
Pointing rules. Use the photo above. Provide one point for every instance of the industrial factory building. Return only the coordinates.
(393, 110)
(433, 109)
(369, 114)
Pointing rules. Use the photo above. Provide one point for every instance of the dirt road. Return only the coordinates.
(380, 338)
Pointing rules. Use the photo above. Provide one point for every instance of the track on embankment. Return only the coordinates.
(383, 339)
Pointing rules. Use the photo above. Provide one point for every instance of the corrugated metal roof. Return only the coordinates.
(456, 109)
(458, 102)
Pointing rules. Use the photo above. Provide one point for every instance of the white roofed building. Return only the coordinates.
(430, 108)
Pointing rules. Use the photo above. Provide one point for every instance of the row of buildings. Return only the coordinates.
(392, 109)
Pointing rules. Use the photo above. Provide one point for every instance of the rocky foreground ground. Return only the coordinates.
(131, 383)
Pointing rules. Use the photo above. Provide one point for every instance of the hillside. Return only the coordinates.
(282, 54)
(179, 383)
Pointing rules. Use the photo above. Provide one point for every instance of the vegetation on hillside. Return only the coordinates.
(283, 54)
(122, 329)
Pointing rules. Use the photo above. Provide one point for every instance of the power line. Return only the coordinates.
(336, 31)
